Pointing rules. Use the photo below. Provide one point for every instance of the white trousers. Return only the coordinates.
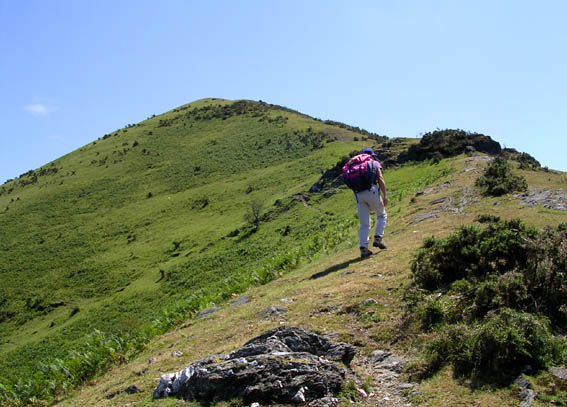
(367, 201)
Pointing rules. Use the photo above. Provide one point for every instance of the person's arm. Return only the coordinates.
(382, 185)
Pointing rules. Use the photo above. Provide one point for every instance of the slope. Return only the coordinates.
(100, 238)
(360, 302)
(138, 231)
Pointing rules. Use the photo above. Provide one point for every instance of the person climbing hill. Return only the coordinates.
(363, 174)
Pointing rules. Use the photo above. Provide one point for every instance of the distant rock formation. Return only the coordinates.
(284, 365)
(441, 144)
(435, 145)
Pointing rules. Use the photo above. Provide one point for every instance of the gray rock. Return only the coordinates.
(439, 201)
(480, 158)
(559, 372)
(325, 402)
(332, 309)
(299, 397)
(176, 354)
(414, 393)
(208, 311)
(370, 301)
(548, 199)
(284, 365)
(422, 218)
(393, 364)
(273, 311)
(380, 355)
(527, 397)
(522, 382)
(434, 189)
(240, 301)
(286, 300)
(291, 339)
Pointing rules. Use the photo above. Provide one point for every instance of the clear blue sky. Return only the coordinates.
(72, 71)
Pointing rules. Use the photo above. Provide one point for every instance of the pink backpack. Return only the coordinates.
(359, 173)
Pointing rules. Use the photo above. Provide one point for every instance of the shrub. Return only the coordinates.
(471, 253)
(507, 340)
(501, 344)
(253, 214)
(492, 297)
(526, 161)
(431, 313)
(546, 271)
(488, 218)
(498, 179)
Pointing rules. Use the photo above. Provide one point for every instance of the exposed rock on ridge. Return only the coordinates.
(284, 365)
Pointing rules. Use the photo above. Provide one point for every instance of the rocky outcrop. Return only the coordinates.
(525, 392)
(441, 144)
(548, 199)
(284, 365)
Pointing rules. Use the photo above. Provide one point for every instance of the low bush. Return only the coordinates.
(526, 161)
(498, 179)
(471, 253)
(500, 344)
(491, 298)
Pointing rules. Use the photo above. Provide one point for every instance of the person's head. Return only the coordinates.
(369, 151)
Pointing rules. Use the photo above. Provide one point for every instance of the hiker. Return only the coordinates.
(363, 175)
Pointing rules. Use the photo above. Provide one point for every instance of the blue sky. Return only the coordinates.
(72, 71)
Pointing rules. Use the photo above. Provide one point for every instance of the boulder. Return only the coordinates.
(240, 301)
(559, 372)
(284, 365)
(273, 311)
(208, 311)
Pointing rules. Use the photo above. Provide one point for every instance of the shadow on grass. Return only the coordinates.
(335, 268)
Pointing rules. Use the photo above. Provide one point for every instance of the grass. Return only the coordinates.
(153, 214)
(346, 282)
(331, 303)
(137, 231)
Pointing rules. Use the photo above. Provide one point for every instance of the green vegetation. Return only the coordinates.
(55, 376)
(132, 235)
(441, 144)
(498, 179)
(525, 160)
(137, 231)
(492, 298)
(153, 214)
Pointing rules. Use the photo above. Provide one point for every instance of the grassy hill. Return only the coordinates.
(132, 235)
(147, 224)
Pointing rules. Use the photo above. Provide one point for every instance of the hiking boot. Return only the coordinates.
(364, 252)
(379, 243)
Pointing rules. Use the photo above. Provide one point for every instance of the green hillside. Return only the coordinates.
(102, 237)
(132, 235)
